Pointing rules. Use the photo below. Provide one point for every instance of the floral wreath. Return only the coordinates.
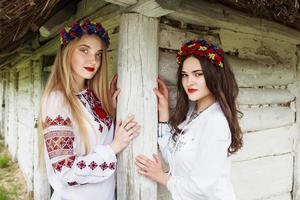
(201, 47)
(77, 29)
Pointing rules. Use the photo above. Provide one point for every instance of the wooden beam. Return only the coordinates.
(149, 8)
(216, 15)
(123, 3)
(137, 62)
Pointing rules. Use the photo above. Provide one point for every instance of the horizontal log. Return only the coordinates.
(251, 46)
(249, 96)
(264, 96)
(124, 3)
(268, 142)
(255, 119)
(172, 38)
(264, 177)
(249, 73)
(285, 196)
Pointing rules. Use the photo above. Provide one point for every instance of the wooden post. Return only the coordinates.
(137, 70)
(295, 89)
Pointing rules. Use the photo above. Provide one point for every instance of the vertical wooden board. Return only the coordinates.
(255, 119)
(40, 181)
(137, 62)
(264, 177)
(12, 131)
(25, 125)
(267, 143)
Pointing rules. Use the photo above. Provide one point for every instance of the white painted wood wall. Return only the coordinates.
(267, 168)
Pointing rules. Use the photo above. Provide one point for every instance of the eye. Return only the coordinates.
(198, 74)
(184, 75)
(85, 51)
(99, 54)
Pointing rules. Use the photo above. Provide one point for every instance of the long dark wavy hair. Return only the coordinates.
(222, 84)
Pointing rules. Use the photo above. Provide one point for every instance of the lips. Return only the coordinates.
(191, 90)
(90, 69)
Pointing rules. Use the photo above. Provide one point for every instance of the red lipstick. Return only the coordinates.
(191, 90)
(90, 69)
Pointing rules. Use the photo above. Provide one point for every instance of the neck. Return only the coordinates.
(205, 102)
(79, 85)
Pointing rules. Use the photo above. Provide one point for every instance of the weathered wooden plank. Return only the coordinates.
(255, 119)
(264, 96)
(12, 136)
(294, 88)
(137, 69)
(263, 178)
(268, 142)
(172, 38)
(25, 129)
(40, 181)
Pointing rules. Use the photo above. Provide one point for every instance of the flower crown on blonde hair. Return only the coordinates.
(201, 47)
(76, 30)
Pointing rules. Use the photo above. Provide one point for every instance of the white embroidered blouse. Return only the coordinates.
(198, 161)
(72, 175)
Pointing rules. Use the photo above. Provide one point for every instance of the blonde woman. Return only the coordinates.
(78, 136)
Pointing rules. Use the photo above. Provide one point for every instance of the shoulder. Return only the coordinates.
(217, 123)
(55, 104)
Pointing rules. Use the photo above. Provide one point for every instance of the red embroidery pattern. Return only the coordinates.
(81, 164)
(68, 162)
(93, 165)
(59, 142)
(103, 166)
(95, 108)
(112, 166)
(58, 121)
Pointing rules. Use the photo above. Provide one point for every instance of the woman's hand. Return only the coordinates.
(124, 133)
(162, 94)
(114, 90)
(152, 169)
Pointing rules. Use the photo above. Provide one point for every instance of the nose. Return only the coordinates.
(92, 59)
(190, 80)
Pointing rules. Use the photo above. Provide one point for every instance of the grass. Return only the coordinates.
(8, 195)
(10, 177)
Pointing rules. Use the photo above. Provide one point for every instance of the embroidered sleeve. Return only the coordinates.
(210, 160)
(60, 144)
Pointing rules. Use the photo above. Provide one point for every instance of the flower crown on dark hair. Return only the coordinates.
(77, 29)
(201, 47)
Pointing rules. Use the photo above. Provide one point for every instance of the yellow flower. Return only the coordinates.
(202, 48)
(211, 56)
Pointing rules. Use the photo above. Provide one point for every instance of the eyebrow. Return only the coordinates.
(198, 70)
(87, 46)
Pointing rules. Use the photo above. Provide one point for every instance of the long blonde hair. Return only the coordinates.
(61, 79)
